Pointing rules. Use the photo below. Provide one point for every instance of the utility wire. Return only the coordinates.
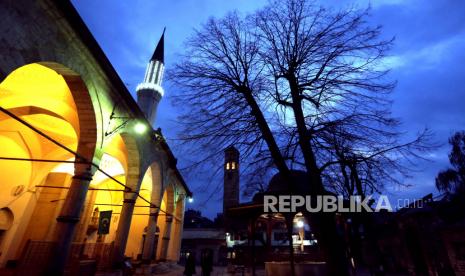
(80, 159)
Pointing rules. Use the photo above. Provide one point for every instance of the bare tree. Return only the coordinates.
(224, 72)
(329, 75)
(452, 180)
(295, 86)
(354, 168)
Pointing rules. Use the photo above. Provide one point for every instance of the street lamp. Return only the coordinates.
(190, 199)
(300, 224)
(140, 128)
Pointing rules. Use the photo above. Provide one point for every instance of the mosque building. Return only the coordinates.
(85, 178)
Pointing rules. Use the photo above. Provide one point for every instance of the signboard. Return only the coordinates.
(104, 222)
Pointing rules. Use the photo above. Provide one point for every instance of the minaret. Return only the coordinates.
(231, 178)
(150, 92)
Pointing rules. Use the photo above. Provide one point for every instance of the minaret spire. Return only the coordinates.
(150, 91)
(159, 53)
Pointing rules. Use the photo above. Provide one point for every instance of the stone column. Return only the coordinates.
(175, 240)
(166, 237)
(69, 217)
(176, 235)
(86, 215)
(149, 243)
(124, 224)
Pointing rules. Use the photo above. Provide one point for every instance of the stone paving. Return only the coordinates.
(177, 270)
(222, 271)
(217, 271)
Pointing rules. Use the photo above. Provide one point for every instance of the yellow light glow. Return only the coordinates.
(13, 174)
(110, 165)
(35, 85)
(140, 128)
(65, 167)
(41, 97)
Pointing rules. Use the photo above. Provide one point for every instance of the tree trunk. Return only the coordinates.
(289, 222)
(336, 260)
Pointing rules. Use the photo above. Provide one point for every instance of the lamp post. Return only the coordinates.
(300, 224)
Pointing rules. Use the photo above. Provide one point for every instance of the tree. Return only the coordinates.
(335, 86)
(297, 87)
(361, 172)
(194, 219)
(452, 180)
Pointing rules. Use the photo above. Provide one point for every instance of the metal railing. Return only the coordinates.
(36, 256)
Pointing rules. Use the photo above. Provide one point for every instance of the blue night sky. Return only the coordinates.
(427, 60)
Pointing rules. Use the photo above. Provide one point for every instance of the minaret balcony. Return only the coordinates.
(150, 86)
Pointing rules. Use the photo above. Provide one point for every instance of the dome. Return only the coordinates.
(302, 185)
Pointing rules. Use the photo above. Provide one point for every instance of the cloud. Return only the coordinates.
(418, 22)
(426, 57)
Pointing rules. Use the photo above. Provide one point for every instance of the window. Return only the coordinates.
(233, 165)
(227, 166)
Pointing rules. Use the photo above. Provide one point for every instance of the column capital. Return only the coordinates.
(169, 218)
(129, 200)
(86, 176)
(68, 219)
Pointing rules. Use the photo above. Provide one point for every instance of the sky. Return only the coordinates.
(427, 60)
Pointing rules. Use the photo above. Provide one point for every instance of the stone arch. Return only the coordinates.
(29, 109)
(29, 92)
(142, 243)
(134, 169)
(165, 218)
(75, 99)
(117, 147)
(6, 219)
(156, 168)
(6, 222)
(113, 156)
(84, 124)
(169, 189)
(134, 178)
(108, 196)
(180, 205)
(83, 101)
(176, 232)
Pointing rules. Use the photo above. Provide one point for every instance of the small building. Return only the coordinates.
(197, 241)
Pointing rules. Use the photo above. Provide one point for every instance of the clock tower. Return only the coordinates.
(231, 178)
